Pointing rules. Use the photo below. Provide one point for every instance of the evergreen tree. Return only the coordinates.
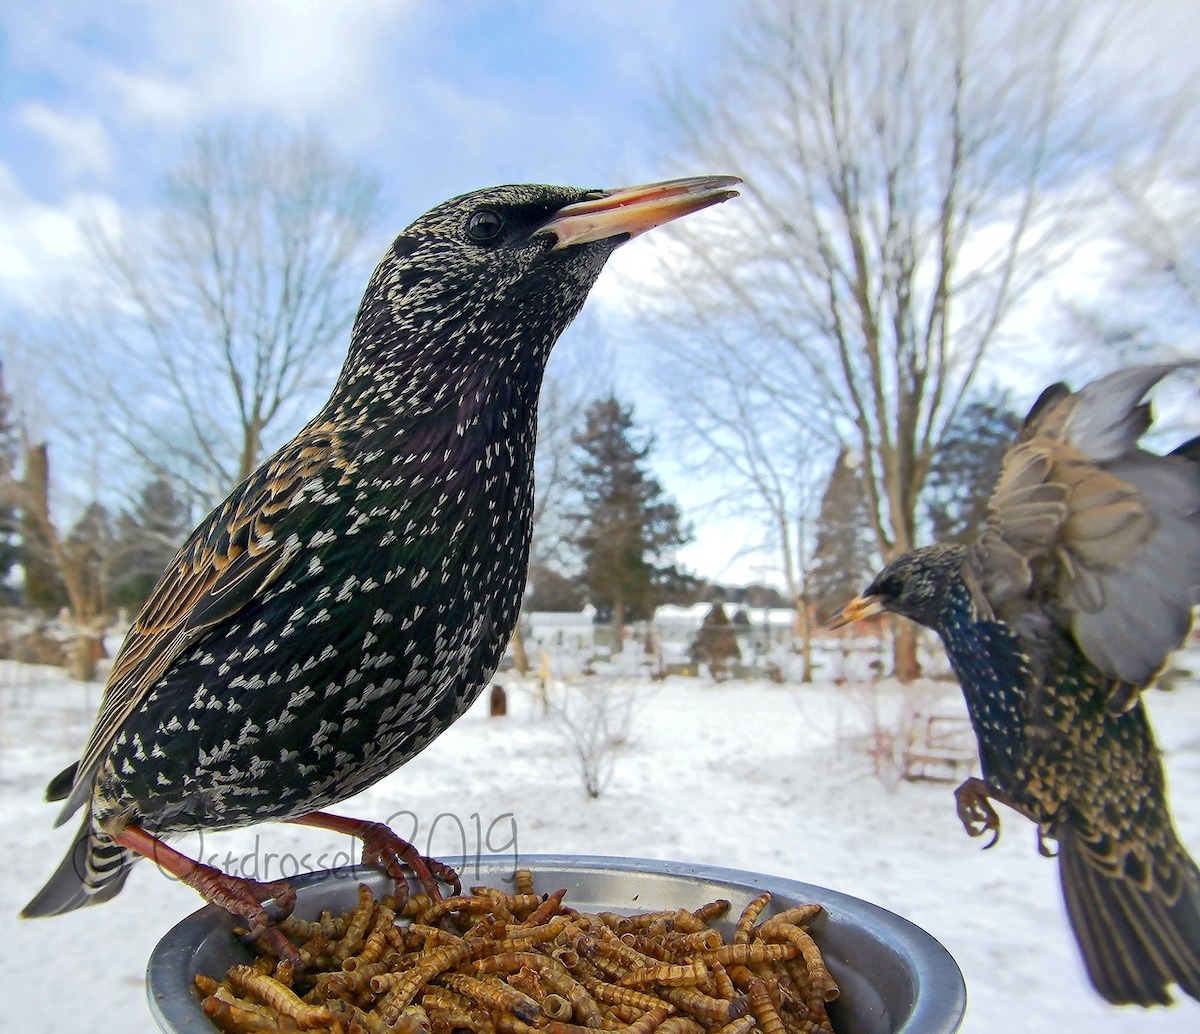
(843, 554)
(625, 527)
(716, 645)
(965, 469)
(88, 551)
(147, 537)
(551, 590)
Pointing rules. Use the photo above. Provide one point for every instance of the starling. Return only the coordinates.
(354, 595)
(1054, 619)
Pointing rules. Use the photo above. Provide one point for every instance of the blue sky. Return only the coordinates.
(435, 97)
(97, 100)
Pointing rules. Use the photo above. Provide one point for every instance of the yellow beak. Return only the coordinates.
(858, 608)
(633, 210)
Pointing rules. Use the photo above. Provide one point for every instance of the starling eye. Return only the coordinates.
(484, 226)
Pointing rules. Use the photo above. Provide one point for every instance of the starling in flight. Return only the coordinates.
(354, 595)
(1065, 607)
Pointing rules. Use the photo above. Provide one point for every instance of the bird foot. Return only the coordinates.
(385, 850)
(240, 897)
(975, 810)
(244, 899)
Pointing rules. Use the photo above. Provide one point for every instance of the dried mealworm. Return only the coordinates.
(807, 947)
(520, 963)
(752, 954)
(497, 996)
(696, 1002)
(663, 973)
(754, 908)
(615, 994)
(680, 1025)
(556, 1007)
(279, 998)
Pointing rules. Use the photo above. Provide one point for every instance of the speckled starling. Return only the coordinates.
(1068, 604)
(354, 595)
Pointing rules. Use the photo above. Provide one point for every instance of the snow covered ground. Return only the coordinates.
(747, 775)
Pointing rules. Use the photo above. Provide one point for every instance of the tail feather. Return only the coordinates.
(94, 870)
(1136, 940)
(62, 783)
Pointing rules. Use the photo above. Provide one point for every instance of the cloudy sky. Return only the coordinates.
(98, 100)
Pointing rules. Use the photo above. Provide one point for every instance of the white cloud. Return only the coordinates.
(82, 143)
(298, 61)
(40, 243)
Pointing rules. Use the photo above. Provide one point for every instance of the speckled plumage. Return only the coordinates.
(1085, 531)
(354, 595)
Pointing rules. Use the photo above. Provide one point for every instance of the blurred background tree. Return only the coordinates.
(912, 171)
(625, 527)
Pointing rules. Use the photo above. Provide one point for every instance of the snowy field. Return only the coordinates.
(746, 775)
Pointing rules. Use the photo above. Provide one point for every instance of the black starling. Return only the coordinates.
(1066, 606)
(354, 595)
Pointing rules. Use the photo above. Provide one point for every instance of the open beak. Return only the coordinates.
(633, 210)
(858, 608)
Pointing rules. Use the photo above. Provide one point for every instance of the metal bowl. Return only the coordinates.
(893, 975)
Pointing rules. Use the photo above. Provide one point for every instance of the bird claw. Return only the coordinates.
(244, 898)
(383, 849)
(975, 810)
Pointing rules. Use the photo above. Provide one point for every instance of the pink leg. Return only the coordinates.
(240, 897)
(384, 850)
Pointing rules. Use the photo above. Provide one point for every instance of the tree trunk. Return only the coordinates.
(84, 653)
(905, 665)
(43, 590)
(804, 634)
(618, 626)
(519, 653)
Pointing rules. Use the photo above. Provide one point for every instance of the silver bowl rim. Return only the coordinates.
(939, 991)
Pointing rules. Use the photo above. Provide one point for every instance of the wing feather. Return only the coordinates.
(227, 562)
(1083, 517)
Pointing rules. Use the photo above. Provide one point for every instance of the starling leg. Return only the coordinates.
(975, 810)
(384, 850)
(240, 897)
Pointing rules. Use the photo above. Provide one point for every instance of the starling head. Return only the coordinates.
(488, 280)
(914, 585)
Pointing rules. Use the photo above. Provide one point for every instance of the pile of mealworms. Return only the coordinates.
(493, 962)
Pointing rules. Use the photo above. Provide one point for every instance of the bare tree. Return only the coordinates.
(595, 716)
(1152, 266)
(912, 169)
(217, 319)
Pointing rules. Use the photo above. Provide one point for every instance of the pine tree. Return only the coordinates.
(716, 645)
(147, 538)
(843, 554)
(551, 590)
(625, 527)
(965, 469)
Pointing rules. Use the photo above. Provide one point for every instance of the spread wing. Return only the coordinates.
(1104, 532)
(239, 550)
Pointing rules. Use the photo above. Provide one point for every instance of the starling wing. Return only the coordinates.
(1110, 532)
(229, 560)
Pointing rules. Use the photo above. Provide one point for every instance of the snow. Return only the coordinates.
(770, 778)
